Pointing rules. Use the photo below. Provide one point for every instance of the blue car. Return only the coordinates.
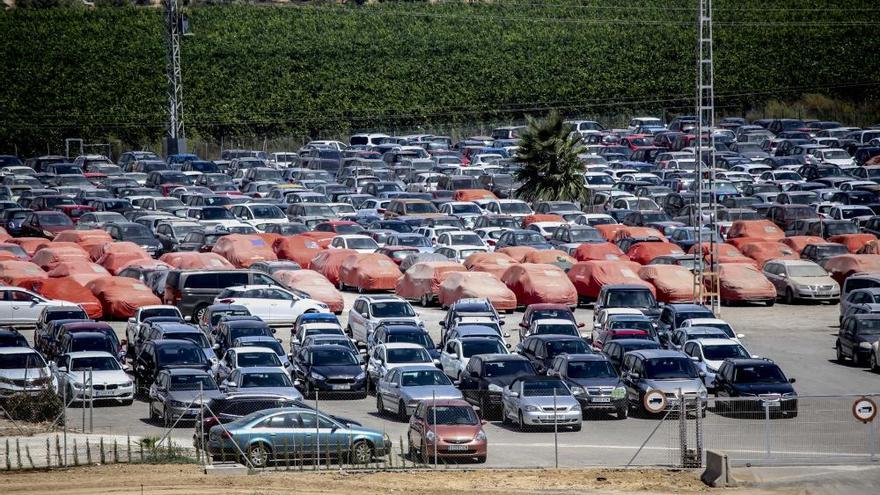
(522, 238)
(295, 432)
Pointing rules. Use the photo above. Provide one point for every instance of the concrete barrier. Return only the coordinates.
(717, 473)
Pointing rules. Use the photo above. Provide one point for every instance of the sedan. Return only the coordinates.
(402, 389)
(75, 369)
(21, 307)
(274, 305)
(259, 380)
(540, 401)
(179, 393)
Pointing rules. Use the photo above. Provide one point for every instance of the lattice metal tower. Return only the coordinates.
(706, 288)
(174, 25)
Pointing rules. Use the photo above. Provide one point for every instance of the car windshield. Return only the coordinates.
(630, 299)
(869, 327)
(644, 325)
(348, 229)
(270, 211)
(197, 338)
(855, 212)
(217, 214)
(722, 352)
(333, 357)
(724, 327)
(468, 208)
(29, 360)
(361, 243)
(680, 317)
(268, 344)
(464, 239)
(806, 271)
(541, 314)
(487, 346)
(417, 208)
(192, 382)
(265, 380)
(670, 368)
(759, 373)
(529, 238)
(215, 317)
(451, 415)
(841, 228)
(55, 219)
(585, 235)
(591, 369)
(392, 309)
(408, 356)
(96, 363)
(556, 329)
(135, 230)
(413, 241)
(179, 354)
(545, 388)
(424, 378)
(251, 359)
(420, 338)
(508, 368)
(515, 208)
(567, 346)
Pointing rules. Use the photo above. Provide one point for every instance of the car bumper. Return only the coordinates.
(548, 418)
(819, 295)
(340, 388)
(119, 394)
(183, 413)
(446, 449)
(7, 390)
(601, 403)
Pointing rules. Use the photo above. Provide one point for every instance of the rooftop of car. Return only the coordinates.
(89, 354)
(750, 361)
(185, 371)
(502, 357)
(687, 307)
(659, 353)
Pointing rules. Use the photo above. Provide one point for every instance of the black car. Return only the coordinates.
(162, 354)
(9, 337)
(818, 253)
(672, 316)
(234, 327)
(855, 338)
(487, 374)
(615, 349)
(541, 350)
(329, 369)
(409, 334)
(754, 378)
(593, 381)
(136, 233)
(627, 296)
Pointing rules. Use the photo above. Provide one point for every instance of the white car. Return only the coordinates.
(602, 316)
(708, 355)
(834, 156)
(144, 312)
(111, 381)
(593, 219)
(274, 305)
(23, 370)
(457, 353)
(258, 214)
(246, 357)
(21, 308)
(459, 253)
(546, 229)
(553, 326)
(368, 312)
(714, 323)
(360, 243)
(516, 208)
(460, 238)
(386, 357)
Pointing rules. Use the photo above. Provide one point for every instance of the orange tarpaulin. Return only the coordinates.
(68, 289)
(548, 256)
(371, 271)
(606, 251)
(472, 195)
(644, 252)
(495, 263)
(627, 232)
(328, 263)
(609, 230)
(541, 217)
(758, 229)
(12, 272)
(300, 249)
(672, 283)
(191, 260)
(82, 236)
(799, 242)
(539, 283)
(870, 247)
(841, 267)
(518, 253)
(118, 255)
(742, 282)
(81, 272)
(49, 257)
(30, 244)
(764, 251)
(853, 242)
(243, 250)
(121, 296)
(422, 280)
(588, 277)
(462, 285)
(724, 253)
(313, 283)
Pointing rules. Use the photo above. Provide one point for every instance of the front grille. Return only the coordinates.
(106, 387)
(458, 440)
(601, 391)
(339, 381)
(30, 382)
(557, 409)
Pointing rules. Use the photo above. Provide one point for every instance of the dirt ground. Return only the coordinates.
(190, 480)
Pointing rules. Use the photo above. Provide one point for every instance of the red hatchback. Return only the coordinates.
(448, 428)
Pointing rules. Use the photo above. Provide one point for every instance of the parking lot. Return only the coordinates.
(799, 338)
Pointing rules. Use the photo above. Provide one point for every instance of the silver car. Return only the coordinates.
(540, 401)
(403, 388)
(23, 370)
(110, 381)
(801, 280)
(262, 381)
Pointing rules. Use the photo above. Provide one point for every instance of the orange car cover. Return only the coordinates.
(724, 253)
(541, 217)
(853, 242)
(644, 252)
(328, 262)
(371, 271)
(191, 260)
(518, 253)
(472, 195)
(588, 277)
(759, 229)
(49, 257)
(764, 251)
(6, 255)
(298, 248)
(118, 255)
(78, 271)
(83, 236)
(870, 247)
(609, 230)
(672, 283)
(69, 289)
(551, 256)
(30, 244)
(743, 282)
(495, 263)
(538, 283)
(627, 232)
(841, 267)
(243, 250)
(269, 238)
(121, 296)
(799, 242)
(422, 280)
(313, 283)
(4, 235)
(462, 285)
(12, 272)
(606, 251)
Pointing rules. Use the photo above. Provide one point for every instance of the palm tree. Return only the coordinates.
(551, 170)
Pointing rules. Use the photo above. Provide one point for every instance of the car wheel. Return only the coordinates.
(481, 459)
(622, 412)
(199, 312)
(424, 301)
(874, 366)
(348, 331)
(771, 302)
(505, 416)
(258, 455)
(424, 456)
(379, 406)
(576, 427)
(840, 357)
(520, 423)
(401, 411)
(361, 452)
(789, 296)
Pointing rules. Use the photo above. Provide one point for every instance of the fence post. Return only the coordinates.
(48, 453)
(64, 405)
(101, 446)
(128, 446)
(92, 403)
(402, 453)
(58, 453)
(682, 428)
(115, 452)
(18, 453)
(88, 452)
(75, 454)
(27, 452)
(555, 432)
(8, 459)
(699, 431)
(766, 429)
(872, 439)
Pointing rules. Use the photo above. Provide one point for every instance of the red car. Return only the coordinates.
(637, 141)
(447, 428)
(45, 224)
(339, 227)
(75, 211)
(398, 253)
(545, 311)
(609, 335)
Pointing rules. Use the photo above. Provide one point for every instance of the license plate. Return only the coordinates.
(601, 400)
(341, 387)
(458, 447)
(104, 393)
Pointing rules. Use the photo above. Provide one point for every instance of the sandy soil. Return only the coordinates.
(189, 480)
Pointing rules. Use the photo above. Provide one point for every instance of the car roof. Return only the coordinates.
(697, 321)
(401, 345)
(17, 350)
(717, 342)
(553, 337)
(751, 362)
(252, 350)
(419, 367)
(687, 307)
(90, 354)
(553, 321)
(501, 357)
(404, 329)
(585, 357)
(262, 369)
(658, 353)
(185, 371)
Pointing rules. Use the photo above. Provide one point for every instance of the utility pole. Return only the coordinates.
(176, 25)
(706, 283)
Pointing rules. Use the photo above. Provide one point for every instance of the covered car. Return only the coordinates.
(841, 267)
(870, 247)
(118, 255)
(422, 281)
(495, 263)
(724, 253)
(551, 257)
(541, 217)
(740, 282)
(298, 248)
(242, 250)
(68, 289)
(644, 252)
(191, 260)
(753, 230)
(84, 236)
(328, 262)
(121, 296)
(539, 283)
(472, 195)
(465, 285)
(799, 242)
(412, 259)
(609, 230)
(764, 251)
(602, 251)
(628, 232)
(13, 272)
(588, 277)
(79, 271)
(49, 257)
(30, 244)
(853, 242)
(518, 253)
(314, 284)
(672, 283)
(368, 272)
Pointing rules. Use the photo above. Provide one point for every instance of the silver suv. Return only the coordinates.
(368, 312)
(671, 372)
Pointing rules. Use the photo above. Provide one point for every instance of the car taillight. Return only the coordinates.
(226, 301)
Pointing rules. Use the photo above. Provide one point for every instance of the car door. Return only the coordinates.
(449, 360)
(849, 337)
(693, 350)
(25, 307)
(469, 379)
(390, 389)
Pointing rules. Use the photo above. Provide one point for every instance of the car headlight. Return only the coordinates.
(865, 345)
(176, 403)
(430, 436)
(76, 385)
(317, 376)
(480, 436)
(703, 394)
(494, 388)
(126, 384)
(360, 376)
(576, 390)
(532, 408)
(618, 393)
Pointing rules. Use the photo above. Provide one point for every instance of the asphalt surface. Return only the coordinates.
(799, 338)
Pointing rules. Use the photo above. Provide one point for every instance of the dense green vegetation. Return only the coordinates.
(301, 70)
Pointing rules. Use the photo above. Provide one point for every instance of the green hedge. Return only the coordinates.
(301, 70)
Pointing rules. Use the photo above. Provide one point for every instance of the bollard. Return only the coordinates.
(101, 446)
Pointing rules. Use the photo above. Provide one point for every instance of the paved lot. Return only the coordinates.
(799, 338)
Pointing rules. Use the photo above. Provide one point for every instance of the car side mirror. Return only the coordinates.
(791, 380)
(702, 374)
(62, 369)
(365, 315)
(597, 326)
(216, 347)
(740, 335)
(514, 394)
(696, 359)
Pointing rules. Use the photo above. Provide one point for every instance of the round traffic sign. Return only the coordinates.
(864, 409)
(654, 401)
